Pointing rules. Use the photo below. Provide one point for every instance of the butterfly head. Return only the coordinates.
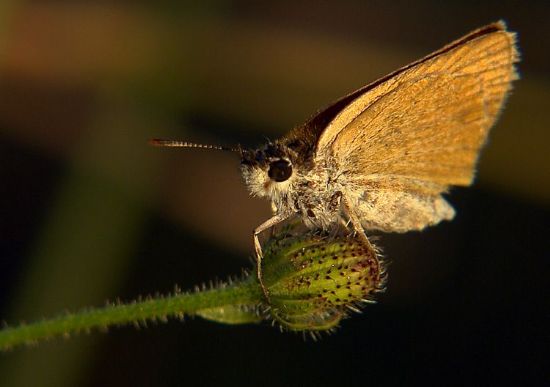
(268, 171)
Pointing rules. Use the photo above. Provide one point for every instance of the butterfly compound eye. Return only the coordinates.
(280, 170)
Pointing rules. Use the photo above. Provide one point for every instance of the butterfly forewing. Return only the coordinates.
(403, 142)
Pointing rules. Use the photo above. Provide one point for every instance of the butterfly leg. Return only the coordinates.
(258, 248)
(356, 223)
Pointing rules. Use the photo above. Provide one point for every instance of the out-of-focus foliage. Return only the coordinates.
(89, 212)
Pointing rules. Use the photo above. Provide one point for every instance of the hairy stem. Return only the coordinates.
(246, 292)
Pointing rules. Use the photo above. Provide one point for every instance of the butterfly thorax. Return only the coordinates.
(294, 184)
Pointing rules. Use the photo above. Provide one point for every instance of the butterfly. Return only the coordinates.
(381, 157)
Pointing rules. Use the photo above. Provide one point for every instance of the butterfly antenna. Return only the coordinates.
(184, 144)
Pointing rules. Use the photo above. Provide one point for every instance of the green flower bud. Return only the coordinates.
(313, 282)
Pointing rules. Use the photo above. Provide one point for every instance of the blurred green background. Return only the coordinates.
(90, 213)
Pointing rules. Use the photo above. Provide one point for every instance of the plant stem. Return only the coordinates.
(245, 292)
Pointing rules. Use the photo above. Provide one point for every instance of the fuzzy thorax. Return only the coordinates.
(293, 186)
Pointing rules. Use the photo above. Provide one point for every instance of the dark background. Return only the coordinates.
(88, 212)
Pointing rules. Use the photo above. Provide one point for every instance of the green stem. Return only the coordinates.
(246, 292)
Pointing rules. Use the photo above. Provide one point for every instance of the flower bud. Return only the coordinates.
(313, 282)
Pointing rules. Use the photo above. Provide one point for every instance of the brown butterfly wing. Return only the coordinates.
(402, 142)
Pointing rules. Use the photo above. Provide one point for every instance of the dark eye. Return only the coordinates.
(280, 170)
